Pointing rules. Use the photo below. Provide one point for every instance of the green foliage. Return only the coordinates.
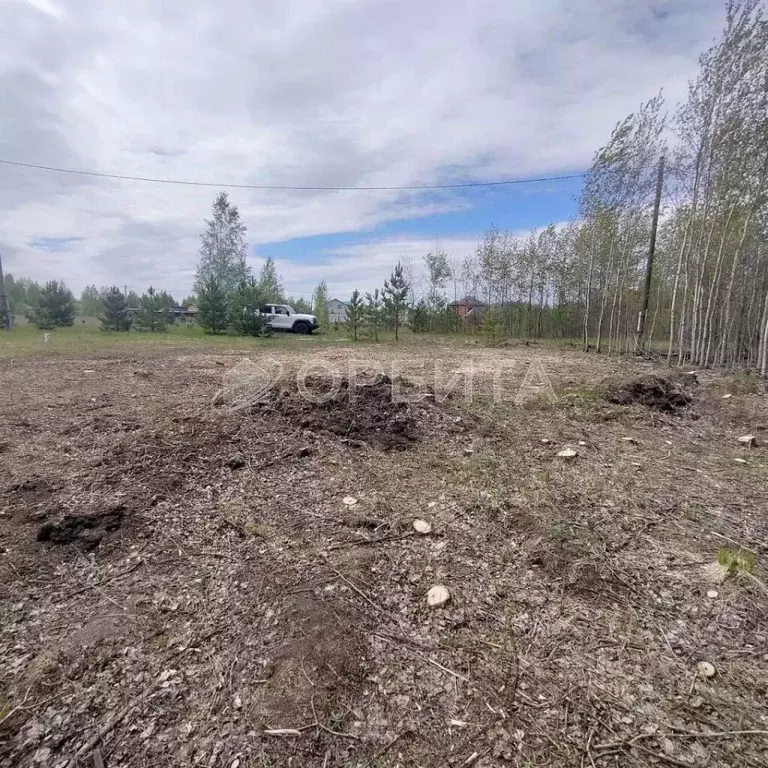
(244, 313)
(153, 312)
(395, 295)
(55, 307)
(436, 316)
(320, 304)
(23, 294)
(737, 560)
(561, 533)
(372, 315)
(493, 326)
(420, 317)
(212, 305)
(355, 312)
(222, 248)
(114, 315)
(302, 306)
(91, 301)
(270, 285)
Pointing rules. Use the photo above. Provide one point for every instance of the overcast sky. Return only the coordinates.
(311, 92)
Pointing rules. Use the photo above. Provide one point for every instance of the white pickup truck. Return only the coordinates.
(282, 317)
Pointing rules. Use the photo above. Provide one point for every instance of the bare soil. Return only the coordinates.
(185, 581)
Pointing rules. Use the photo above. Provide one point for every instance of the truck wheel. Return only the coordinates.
(301, 327)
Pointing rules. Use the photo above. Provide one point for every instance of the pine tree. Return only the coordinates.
(421, 317)
(320, 304)
(396, 296)
(55, 307)
(212, 305)
(269, 282)
(153, 312)
(372, 315)
(222, 249)
(114, 316)
(244, 313)
(355, 310)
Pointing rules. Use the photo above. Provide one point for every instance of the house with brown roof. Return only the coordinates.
(468, 309)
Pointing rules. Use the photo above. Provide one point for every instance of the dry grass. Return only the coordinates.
(240, 595)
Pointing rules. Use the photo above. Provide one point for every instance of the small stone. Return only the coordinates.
(545, 440)
(469, 451)
(740, 461)
(727, 397)
(422, 526)
(437, 596)
(713, 593)
(238, 702)
(629, 440)
(349, 501)
(696, 702)
(705, 669)
(748, 440)
(567, 453)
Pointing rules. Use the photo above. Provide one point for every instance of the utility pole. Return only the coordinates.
(642, 315)
(5, 310)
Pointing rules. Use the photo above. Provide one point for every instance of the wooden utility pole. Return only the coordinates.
(5, 310)
(641, 317)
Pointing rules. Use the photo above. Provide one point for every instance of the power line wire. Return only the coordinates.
(185, 183)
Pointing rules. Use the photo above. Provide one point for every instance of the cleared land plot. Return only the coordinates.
(186, 579)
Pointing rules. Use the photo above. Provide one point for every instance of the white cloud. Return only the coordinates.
(309, 92)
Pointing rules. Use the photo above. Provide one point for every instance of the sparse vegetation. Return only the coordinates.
(235, 539)
(737, 561)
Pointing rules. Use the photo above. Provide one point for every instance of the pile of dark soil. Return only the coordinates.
(86, 531)
(655, 392)
(385, 413)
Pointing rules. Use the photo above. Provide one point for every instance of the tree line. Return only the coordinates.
(586, 279)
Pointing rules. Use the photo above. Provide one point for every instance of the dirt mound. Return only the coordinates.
(656, 392)
(390, 414)
(87, 531)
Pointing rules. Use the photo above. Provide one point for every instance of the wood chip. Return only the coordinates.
(705, 669)
(748, 440)
(282, 732)
(438, 596)
(567, 453)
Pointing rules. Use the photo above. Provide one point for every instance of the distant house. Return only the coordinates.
(337, 311)
(469, 308)
(182, 311)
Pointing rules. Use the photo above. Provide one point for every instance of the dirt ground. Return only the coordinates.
(204, 563)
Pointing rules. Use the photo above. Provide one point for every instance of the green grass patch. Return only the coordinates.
(737, 560)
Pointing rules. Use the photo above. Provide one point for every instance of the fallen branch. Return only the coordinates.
(365, 542)
(356, 589)
(389, 745)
